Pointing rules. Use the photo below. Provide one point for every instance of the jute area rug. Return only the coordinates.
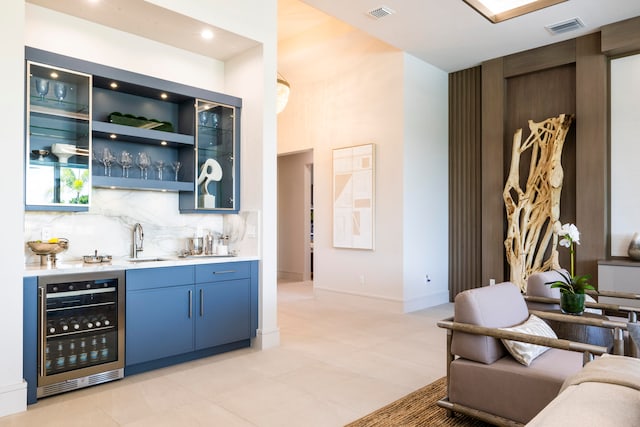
(418, 408)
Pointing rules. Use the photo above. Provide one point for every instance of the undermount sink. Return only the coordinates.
(147, 259)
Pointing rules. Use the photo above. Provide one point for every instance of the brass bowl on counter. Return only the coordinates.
(48, 251)
(39, 247)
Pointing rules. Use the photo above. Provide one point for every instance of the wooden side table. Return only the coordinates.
(583, 333)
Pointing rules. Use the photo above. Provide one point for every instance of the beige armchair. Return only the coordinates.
(484, 378)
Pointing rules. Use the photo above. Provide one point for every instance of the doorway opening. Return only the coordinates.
(295, 216)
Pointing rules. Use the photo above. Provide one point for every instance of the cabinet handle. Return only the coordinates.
(43, 332)
(190, 303)
(201, 302)
(224, 272)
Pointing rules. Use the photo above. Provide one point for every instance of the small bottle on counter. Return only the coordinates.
(208, 244)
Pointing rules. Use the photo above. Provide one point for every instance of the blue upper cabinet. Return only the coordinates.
(136, 132)
(213, 163)
(57, 138)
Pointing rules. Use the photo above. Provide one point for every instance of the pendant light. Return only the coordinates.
(283, 90)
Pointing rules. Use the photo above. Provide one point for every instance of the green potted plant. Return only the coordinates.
(572, 287)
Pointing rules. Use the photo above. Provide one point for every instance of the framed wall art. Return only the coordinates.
(353, 197)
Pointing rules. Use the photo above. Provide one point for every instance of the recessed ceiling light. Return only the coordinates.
(501, 10)
(206, 34)
(113, 136)
(54, 75)
(163, 143)
(113, 85)
(164, 96)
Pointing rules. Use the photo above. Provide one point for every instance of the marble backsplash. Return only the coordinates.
(107, 226)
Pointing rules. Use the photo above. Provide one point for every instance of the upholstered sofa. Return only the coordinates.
(606, 392)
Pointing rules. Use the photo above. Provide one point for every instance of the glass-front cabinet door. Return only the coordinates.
(58, 139)
(216, 157)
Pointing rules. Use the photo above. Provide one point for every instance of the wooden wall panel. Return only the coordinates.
(542, 58)
(622, 37)
(493, 176)
(592, 154)
(465, 223)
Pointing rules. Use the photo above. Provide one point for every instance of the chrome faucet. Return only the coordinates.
(138, 240)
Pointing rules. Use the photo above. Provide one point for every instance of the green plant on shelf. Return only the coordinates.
(76, 184)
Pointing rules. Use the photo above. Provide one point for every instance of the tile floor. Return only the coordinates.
(337, 361)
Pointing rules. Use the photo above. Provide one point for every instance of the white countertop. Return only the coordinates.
(619, 261)
(77, 266)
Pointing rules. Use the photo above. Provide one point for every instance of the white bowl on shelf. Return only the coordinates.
(63, 151)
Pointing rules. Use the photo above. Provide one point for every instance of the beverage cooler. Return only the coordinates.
(81, 330)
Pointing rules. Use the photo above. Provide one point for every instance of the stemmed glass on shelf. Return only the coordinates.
(107, 158)
(143, 160)
(176, 167)
(125, 160)
(60, 91)
(160, 168)
(42, 87)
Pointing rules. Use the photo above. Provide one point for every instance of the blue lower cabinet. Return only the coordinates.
(30, 337)
(173, 316)
(158, 323)
(224, 312)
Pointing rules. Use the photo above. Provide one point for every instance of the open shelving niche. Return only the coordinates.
(140, 95)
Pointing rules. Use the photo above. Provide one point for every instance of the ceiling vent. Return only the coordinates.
(565, 26)
(380, 12)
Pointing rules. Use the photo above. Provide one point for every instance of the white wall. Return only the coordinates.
(346, 89)
(349, 89)
(625, 152)
(12, 389)
(426, 189)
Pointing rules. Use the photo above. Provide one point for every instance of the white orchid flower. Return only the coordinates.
(570, 234)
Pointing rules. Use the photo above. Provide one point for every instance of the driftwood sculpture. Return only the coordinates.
(533, 213)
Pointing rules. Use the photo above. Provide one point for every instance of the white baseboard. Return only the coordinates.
(290, 275)
(13, 398)
(392, 305)
(426, 301)
(266, 339)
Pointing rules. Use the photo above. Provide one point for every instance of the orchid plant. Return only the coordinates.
(571, 284)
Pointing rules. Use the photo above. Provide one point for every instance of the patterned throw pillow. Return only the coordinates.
(523, 352)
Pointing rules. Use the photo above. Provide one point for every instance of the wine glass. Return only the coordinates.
(42, 87)
(60, 91)
(215, 120)
(125, 161)
(107, 160)
(160, 168)
(143, 160)
(176, 167)
(203, 117)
